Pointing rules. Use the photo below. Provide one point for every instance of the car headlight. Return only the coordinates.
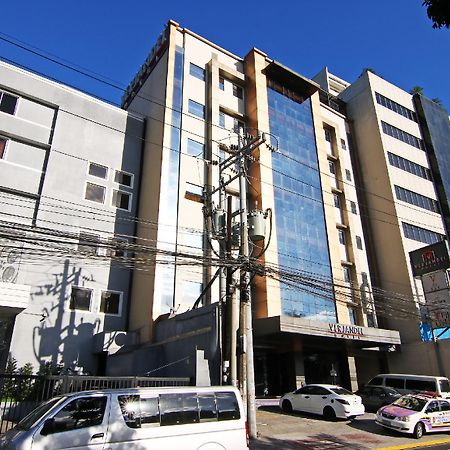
(403, 419)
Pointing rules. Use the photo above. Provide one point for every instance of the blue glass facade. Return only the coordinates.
(300, 221)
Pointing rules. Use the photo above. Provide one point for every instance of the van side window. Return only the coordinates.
(227, 406)
(396, 383)
(421, 385)
(129, 405)
(177, 409)
(207, 407)
(377, 381)
(445, 385)
(80, 413)
(149, 411)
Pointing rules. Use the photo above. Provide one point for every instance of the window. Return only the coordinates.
(80, 298)
(402, 135)
(239, 126)
(421, 234)
(197, 71)
(377, 381)
(352, 316)
(80, 413)
(178, 409)
(353, 207)
(95, 193)
(420, 385)
(445, 406)
(416, 199)
(332, 167)
(194, 192)
(191, 291)
(195, 148)
(124, 178)
(88, 243)
(337, 200)
(221, 119)
(121, 200)
(221, 83)
(348, 175)
(98, 170)
(110, 302)
(343, 144)
(409, 166)
(327, 134)
(395, 383)
(3, 142)
(396, 107)
(346, 273)
(359, 242)
(227, 406)
(8, 103)
(238, 91)
(197, 109)
(341, 234)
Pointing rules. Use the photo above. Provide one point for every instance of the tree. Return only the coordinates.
(416, 90)
(439, 12)
(437, 100)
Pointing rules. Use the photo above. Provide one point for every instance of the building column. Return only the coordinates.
(352, 372)
(299, 369)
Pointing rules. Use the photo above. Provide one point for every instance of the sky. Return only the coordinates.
(112, 38)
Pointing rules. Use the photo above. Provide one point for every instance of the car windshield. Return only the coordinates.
(340, 391)
(445, 385)
(28, 421)
(411, 402)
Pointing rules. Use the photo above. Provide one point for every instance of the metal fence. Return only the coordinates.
(20, 394)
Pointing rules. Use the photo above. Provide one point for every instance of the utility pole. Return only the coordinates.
(238, 320)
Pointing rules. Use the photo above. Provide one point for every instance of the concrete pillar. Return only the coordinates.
(352, 372)
(299, 369)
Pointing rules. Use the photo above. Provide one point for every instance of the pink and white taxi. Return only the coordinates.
(416, 414)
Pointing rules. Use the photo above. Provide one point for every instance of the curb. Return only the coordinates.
(417, 445)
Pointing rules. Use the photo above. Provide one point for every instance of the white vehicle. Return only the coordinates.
(409, 384)
(416, 414)
(327, 399)
(164, 418)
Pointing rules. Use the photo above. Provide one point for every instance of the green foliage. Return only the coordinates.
(439, 12)
(416, 90)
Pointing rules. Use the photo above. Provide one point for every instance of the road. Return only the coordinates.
(278, 430)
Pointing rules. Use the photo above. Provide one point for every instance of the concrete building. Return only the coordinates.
(197, 98)
(401, 142)
(69, 178)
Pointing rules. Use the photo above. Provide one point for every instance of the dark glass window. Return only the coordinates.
(177, 409)
(402, 135)
(359, 242)
(207, 407)
(80, 413)
(420, 385)
(121, 200)
(445, 406)
(343, 144)
(221, 83)
(197, 109)
(332, 167)
(3, 142)
(421, 234)
(348, 175)
(377, 381)
(227, 406)
(110, 302)
(396, 383)
(8, 103)
(197, 71)
(95, 193)
(124, 178)
(97, 170)
(409, 166)
(327, 133)
(341, 235)
(337, 200)
(416, 199)
(238, 91)
(394, 106)
(353, 207)
(80, 298)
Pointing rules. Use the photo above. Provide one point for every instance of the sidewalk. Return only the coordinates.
(278, 430)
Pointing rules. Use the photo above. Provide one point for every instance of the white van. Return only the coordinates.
(406, 384)
(185, 418)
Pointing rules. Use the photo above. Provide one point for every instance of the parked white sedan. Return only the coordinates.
(327, 399)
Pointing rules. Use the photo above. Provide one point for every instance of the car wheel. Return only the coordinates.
(419, 430)
(329, 413)
(286, 406)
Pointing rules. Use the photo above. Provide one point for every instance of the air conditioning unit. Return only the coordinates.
(10, 256)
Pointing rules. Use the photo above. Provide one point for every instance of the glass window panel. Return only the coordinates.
(80, 298)
(110, 302)
(97, 170)
(221, 83)
(197, 109)
(121, 200)
(227, 406)
(8, 103)
(238, 91)
(197, 71)
(124, 178)
(195, 148)
(221, 119)
(2, 147)
(95, 193)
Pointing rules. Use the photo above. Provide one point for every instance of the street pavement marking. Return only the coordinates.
(417, 444)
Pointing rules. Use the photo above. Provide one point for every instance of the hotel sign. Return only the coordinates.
(430, 259)
(346, 331)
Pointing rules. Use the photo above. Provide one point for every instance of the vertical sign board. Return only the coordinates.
(430, 264)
